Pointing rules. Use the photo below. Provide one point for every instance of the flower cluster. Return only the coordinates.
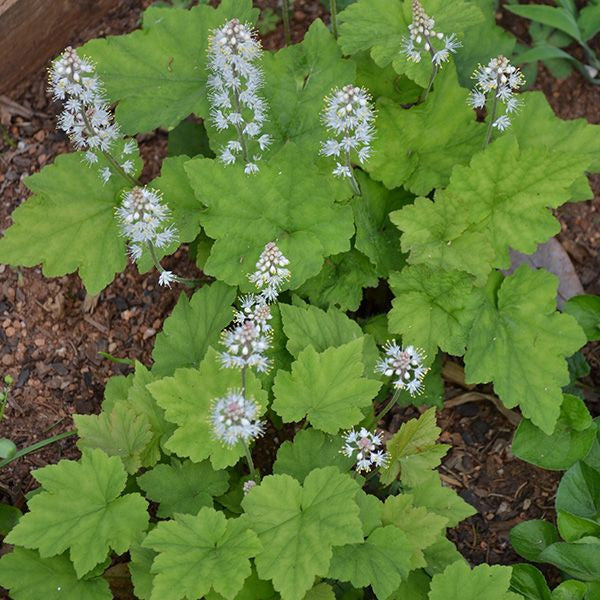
(406, 364)
(503, 79)
(144, 221)
(248, 340)
(234, 418)
(423, 38)
(234, 83)
(349, 116)
(248, 485)
(86, 115)
(366, 448)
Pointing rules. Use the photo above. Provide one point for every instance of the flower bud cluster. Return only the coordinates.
(86, 115)
(424, 38)
(235, 418)
(503, 80)
(144, 220)
(234, 83)
(406, 364)
(349, 116)
(366, 448)
(271, 272)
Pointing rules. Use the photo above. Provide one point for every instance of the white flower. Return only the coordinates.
(349, 117)
(86, 116)
(254, 308)
(245, 346)
(423, 38)
(144, 219)
(366, 448)
(271, 272)
(129, 147)
(128, 167)
(248, 485)
(502, 78)
(166, 278)
(234, 84)
(251, 168)
(235, 418)
(406, 364)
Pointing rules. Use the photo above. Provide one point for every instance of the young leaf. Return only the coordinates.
(421, 526)
(158, 73)
(328, 388)
(30, 577)
(555, 17)
(299, 525)
(414, 451)
(433, 308)
(528, 581)
(192, 327)
(290, 203)
(187, 398)
(322, 591)
(254, 589)
(80, 508)
(69, 223)
(531, 538)
(459, 582)
(520, 342)
(580, 560)
(382, 561)
(341, 281)
(415, 587)
(571, 441)
(183, 487)
(120, 432)
(310, 449)
(197, 553)
(139, 569)
(404, 155)
(586, 309)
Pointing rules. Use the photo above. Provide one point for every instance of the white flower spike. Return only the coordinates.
(349, 117)
(144, 219)
(234, 82)
(235, 418)
(245, 346)
(254, 308)
(424, 39)
(366, 448)
(86, 116)
(406, 364)
(271, 272)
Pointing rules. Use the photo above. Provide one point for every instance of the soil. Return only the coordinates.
(49, 339)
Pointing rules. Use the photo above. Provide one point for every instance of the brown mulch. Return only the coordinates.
(50, 344)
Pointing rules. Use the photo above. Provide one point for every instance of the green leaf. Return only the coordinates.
(297, 79)
(504, 194)
(421, 526)
(443, 501)
(69, 223)
(158, 73)
(432, 308)
(531, 538)
(549, 15)
(405, 154)
(197, 553)
(520, 342)
(578, 497)
(290, 203)
(588, 21)
(573, 590)
(139, 569)
(580, 560)
(254, 589)
(192, 327)
(414, 451)
(341, 281)
(415, 587)
(376, 237)
(120, 432)
(459, 582)
(189, 138)
(381, 561)
(440, 555)
(9, 517)
(80, 508)
(571, 441)
(322, 591)
(586, 309)
(528, 581)
(327, 388)
(187, 398)
(30, 577)
(299, 525)
(310, 449)
(183, 487)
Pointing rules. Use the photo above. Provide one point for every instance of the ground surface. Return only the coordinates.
(50, 344)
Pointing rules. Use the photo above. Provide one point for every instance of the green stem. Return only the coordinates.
(161, 269)
(333, 12)
(388, 406)
(37, 446)
(285, 9)
(353, 183)
(434, 71)
(240, 133)
(253, 473)
(488, 135)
